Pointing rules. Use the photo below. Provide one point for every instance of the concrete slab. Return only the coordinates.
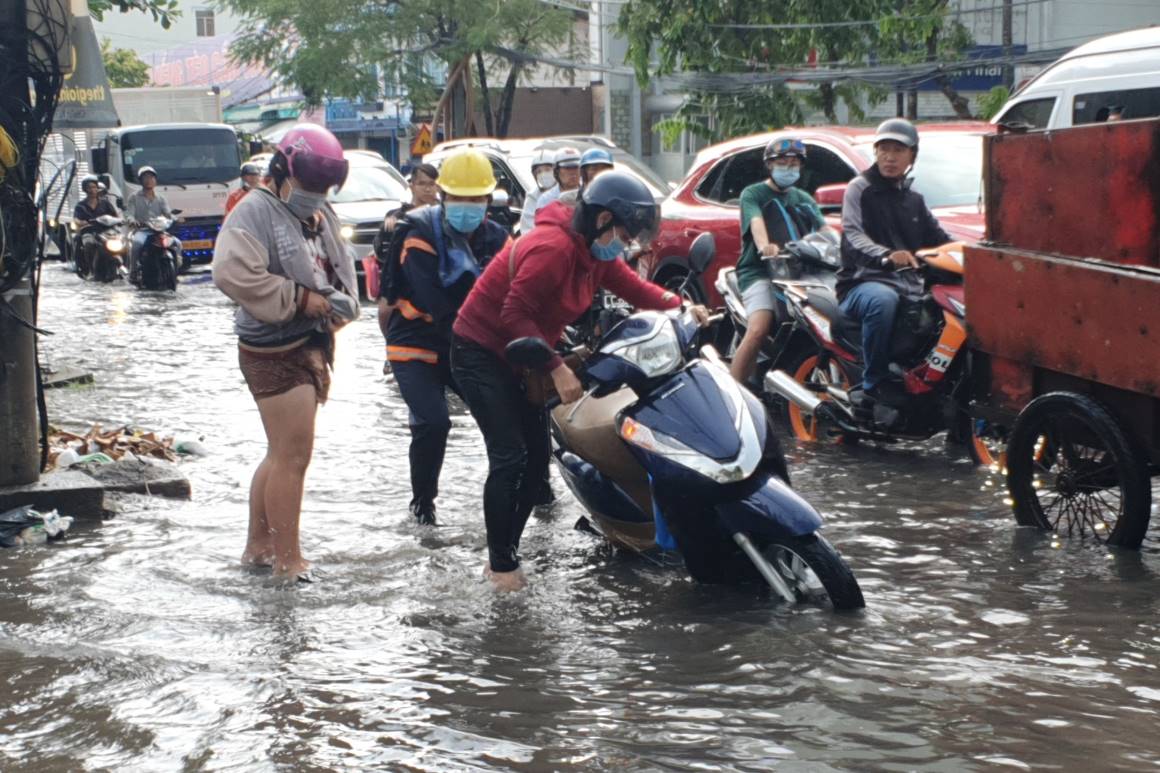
(70, 492)
(64, 375)
(137, 476)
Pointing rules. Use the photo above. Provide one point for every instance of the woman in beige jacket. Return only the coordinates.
(280, 257)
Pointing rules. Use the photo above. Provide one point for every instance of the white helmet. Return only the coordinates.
(543, 157)
(567, 157)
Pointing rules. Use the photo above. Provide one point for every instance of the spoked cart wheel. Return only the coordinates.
(1074, 470)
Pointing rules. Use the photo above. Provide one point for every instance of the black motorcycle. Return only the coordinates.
(160, 258)
(103, 260)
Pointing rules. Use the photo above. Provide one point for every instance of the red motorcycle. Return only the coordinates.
(819, 371)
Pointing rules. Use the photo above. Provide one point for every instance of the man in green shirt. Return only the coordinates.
(773, 212)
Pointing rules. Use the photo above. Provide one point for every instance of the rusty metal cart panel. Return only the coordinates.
(1064, 317)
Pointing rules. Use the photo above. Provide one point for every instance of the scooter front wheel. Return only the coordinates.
(814, 571)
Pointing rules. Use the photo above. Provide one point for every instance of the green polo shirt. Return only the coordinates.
(751, 266)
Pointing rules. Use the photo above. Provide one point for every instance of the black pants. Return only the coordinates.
(424, 388)
(517, 451)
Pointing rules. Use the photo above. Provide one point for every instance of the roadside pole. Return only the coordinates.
(19, 455)
(19, 452)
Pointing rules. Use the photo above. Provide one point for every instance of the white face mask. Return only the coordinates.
(545, 180)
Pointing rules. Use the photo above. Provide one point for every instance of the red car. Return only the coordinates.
(948, 173)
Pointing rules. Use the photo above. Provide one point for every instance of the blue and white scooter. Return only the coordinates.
(666, 450)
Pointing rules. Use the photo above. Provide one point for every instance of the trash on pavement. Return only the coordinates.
(25, 526)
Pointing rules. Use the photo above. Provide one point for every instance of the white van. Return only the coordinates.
(1116, 76)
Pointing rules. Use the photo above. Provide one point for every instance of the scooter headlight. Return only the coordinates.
(656, 355)
(346, 232)
(115, 245)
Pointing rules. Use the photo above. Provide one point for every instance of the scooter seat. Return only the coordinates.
(846, 332)
(731, 282)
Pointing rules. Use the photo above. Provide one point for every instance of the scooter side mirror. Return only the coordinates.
(499, 200)
(529, 352)
(702, 252)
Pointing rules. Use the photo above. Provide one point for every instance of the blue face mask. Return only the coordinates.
(608, 252)
(784, 177)
(464, 216)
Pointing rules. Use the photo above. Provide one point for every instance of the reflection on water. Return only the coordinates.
(141, 644)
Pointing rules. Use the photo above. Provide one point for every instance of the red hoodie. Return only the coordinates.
(555, 280)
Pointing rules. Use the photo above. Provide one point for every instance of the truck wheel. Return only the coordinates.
(1072, 469)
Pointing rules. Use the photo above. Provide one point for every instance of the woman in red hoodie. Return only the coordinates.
(544, 283)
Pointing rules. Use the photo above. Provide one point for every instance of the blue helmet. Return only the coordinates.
(594, 156)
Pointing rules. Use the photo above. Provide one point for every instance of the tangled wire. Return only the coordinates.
(29, 88)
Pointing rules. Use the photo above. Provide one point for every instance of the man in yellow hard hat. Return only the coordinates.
(435, 255)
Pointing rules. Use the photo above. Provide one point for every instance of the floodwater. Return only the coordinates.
(141, 644)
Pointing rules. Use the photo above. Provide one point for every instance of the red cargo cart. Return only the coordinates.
(1063, 314)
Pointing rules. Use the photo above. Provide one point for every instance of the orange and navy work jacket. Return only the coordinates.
(419, 328)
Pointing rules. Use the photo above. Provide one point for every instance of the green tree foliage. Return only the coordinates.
(992, 102)
(162, 11)
(124, 68)
(726, 36)
(350, 48)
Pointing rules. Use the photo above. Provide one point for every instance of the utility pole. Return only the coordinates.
(19, 455)
(1008, 67)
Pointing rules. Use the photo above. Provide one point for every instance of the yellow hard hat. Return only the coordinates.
(466, 173)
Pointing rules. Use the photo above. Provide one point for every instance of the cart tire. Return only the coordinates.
(1072, 469)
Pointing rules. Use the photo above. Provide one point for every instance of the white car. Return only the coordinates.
(1114, 76)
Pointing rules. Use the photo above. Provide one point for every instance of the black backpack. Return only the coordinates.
(389, 254)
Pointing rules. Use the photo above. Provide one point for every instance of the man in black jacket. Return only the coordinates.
(883, 223)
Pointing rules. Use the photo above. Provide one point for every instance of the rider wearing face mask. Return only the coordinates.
(443, 248)
(542, 283)
(773, 212)
(280, 257)
(542, 171)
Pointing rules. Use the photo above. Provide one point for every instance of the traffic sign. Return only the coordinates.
(423, 142)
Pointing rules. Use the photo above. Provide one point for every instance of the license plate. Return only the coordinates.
(197, 244)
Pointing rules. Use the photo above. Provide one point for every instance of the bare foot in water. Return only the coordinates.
(294, 570)
(506, 582)
(258, 555)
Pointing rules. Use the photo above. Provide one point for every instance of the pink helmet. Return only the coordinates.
(314, 157)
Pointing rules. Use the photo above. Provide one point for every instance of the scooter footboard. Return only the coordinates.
(601, 496)
(771, 510)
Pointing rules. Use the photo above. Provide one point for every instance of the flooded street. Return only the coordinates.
(141, 644)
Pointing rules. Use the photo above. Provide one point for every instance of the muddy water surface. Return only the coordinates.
(140, 644)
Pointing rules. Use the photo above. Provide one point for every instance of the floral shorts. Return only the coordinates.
(273, 373)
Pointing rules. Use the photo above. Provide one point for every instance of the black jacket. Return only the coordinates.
(880, 216)
(420, 325)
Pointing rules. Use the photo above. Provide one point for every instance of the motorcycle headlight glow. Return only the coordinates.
(346, 232)
(115, 245)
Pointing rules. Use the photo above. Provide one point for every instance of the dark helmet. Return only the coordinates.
(784, 147)
(627, 198)
(899, 130)
(249, 168)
